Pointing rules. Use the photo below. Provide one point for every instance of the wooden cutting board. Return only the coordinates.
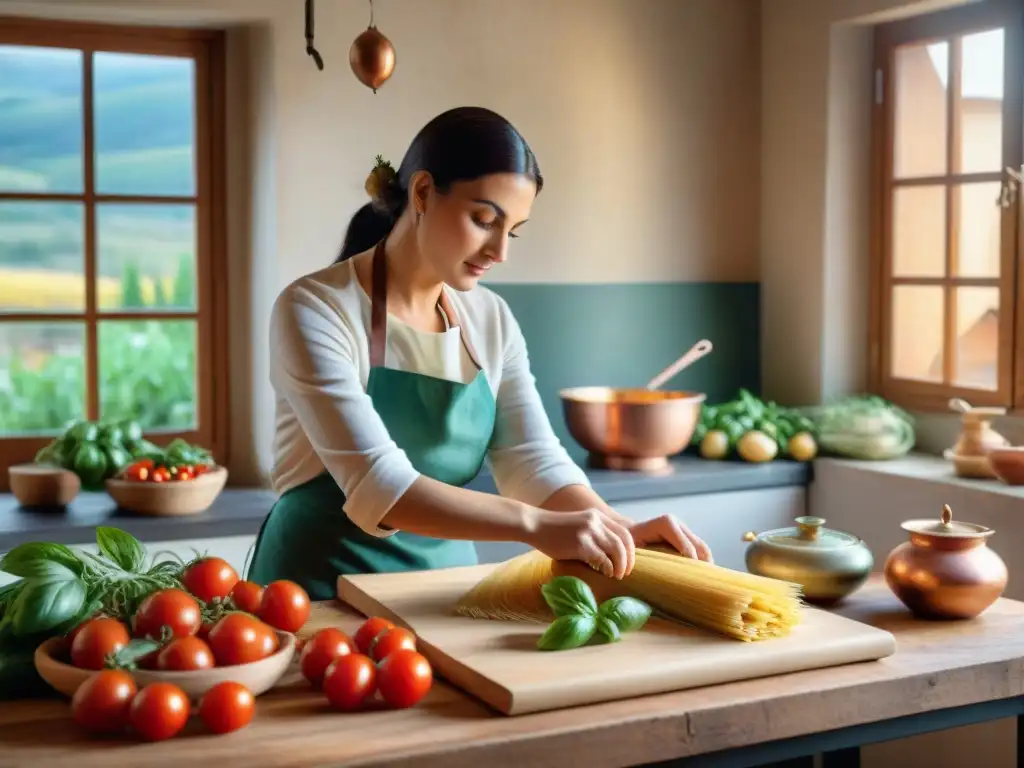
(497, 661)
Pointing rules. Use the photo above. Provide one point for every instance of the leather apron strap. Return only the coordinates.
(379, 311)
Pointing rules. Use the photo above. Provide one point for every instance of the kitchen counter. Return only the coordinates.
(239, 512)
(943, 675)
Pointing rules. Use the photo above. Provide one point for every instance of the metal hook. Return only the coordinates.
(310, 50)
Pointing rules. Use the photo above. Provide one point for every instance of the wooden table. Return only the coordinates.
(943, 675)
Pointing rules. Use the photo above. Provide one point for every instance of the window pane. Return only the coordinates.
(146, 257)
(920, 76)
(919, 231)
(42, 377)
(977, 342)
(978, 227)
(147, 372)
(42, 257)
(40, 119)
(144, 117)
(981, 102)
(917, 328)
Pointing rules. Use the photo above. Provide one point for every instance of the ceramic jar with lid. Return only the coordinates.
(828, 564)
(946, 570)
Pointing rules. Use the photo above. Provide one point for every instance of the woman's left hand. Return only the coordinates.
(667, 530)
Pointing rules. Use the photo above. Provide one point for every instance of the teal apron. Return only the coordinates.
(445, 429)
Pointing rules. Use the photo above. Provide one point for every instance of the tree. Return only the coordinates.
(131, 287)
(184, 283)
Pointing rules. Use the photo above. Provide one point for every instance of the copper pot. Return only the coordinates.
(635, 429)
(946, 570)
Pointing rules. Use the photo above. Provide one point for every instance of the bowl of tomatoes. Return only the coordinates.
(151, 488)
(174, 637)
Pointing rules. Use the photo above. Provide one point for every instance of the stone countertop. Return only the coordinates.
(240, 511)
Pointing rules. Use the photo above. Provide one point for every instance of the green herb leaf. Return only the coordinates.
(570, 631)
(627, 613)
(43, 605)
(608, 630)
(128, 656)
(27, 560)
(568, 595)
(123, 548)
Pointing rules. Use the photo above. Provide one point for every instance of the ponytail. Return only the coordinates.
(368, 227)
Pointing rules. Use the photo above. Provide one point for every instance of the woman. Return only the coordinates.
(397, 375)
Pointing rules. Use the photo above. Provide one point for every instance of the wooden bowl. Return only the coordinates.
(258, 676)
(973, 467)
(43, 485)
(1008, 464)
(176, 497)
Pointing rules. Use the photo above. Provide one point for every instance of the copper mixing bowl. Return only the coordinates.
(631, 429)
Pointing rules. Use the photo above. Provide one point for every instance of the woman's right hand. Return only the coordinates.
(589, 536)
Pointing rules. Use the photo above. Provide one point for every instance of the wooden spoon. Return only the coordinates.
(697, 351)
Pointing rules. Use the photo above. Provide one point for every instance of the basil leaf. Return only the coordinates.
(608, 630)
(627, 613)
(24, 560)
(568, 595)
(568, 632)
(43, 605)
(123, 548)
(128, 656)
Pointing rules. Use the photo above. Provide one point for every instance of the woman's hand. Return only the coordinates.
(590, 536)
(667, 530)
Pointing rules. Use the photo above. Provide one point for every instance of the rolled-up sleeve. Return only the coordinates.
(313, 369)
(527, 460)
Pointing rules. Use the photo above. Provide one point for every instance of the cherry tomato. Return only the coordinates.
(96, 639)
(285, 605)
(404, 678)
(101, 704)
(320, 650)
(159, 711)
(185, 654)
(209, 578)
(160, 475)
(181, 475)
(172, 608)
(239, 638)
(246, 596)
(389, 641)
(227, 707)
(69, 638)
(349, 681)
(368, 631)
(200, 469)
(137, 472)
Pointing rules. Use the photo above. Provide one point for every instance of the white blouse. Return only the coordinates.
(325, 420)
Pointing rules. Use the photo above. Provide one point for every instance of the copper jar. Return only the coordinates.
(946, 570)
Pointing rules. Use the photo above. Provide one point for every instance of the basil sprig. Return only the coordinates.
(579, 618)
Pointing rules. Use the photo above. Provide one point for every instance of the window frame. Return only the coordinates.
(206, 47)
(928, 396)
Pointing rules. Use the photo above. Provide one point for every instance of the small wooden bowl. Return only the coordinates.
(258, 676)
(176, 497)
(43, 485)
(1008, 464)
(973, 467)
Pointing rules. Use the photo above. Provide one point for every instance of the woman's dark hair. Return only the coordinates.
(461, 144)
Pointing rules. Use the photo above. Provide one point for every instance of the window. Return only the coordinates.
(111, 232)
(948, 291)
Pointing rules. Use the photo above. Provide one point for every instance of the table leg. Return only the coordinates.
(841, 758)
(1020, 741)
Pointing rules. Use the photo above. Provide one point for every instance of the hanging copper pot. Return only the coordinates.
(372, 57)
